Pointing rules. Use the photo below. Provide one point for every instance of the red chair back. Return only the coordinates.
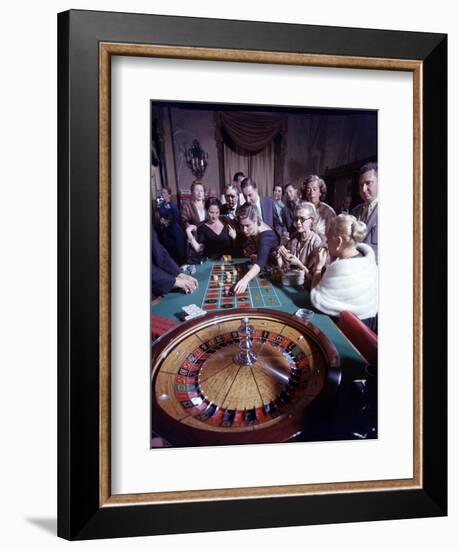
(160, 325)
(363, 338)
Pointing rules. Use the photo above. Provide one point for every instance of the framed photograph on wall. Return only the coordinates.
(226, 384)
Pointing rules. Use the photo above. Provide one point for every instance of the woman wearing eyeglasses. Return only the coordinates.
(301, 250)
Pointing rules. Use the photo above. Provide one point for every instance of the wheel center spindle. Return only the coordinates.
(246, 356)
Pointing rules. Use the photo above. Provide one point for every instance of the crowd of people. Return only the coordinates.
(294, 230)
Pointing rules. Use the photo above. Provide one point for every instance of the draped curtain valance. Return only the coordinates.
(252, 131)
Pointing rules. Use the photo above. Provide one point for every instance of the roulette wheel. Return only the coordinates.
(242, 376)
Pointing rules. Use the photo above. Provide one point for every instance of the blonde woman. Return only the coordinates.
(315, 190)
(300, 252)
(350, 282)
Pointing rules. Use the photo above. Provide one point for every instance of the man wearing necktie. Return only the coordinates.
(291, 192)
(232, 202)
(368, 210)
(265, 205)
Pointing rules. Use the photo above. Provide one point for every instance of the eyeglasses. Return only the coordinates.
(301, 219)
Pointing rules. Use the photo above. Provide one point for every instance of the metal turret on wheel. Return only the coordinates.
(246, 356)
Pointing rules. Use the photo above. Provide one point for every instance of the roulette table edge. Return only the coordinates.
(292, 424)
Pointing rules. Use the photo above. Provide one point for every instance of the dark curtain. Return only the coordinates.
(252, 131)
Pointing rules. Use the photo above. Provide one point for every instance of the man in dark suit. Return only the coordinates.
(368, 210)
(291, 193)
(277, 198)
(266, 209)
(165, 273)
(228, 210)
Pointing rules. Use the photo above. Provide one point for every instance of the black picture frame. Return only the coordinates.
(82, 512)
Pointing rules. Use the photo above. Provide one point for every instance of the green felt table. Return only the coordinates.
(342, 417)
(287, 299)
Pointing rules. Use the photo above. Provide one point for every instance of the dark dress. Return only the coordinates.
(172, 236)
(214, 245)
(267, 243)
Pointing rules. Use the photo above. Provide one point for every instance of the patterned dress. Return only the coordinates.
(306, 250)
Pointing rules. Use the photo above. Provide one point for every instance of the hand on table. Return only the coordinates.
(241, 286)
(186, 283)
(189, 278)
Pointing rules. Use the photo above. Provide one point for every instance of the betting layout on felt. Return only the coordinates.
(219, 295)
(220, 291)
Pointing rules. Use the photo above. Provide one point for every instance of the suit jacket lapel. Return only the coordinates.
(373, 217)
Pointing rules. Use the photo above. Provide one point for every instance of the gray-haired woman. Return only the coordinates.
(315, 190)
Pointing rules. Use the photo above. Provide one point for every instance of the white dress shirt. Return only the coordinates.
(258, 205)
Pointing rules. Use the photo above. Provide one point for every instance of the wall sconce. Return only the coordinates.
(196, 159)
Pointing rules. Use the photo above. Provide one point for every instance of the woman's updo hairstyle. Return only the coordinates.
(348, 228)
(248, 211)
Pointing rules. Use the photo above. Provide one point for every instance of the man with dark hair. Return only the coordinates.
(165, 273)
(278, 203)
(237, 178)
(265, 205)
(368, 210)
(292, 201)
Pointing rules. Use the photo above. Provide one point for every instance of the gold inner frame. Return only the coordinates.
(106, 50)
